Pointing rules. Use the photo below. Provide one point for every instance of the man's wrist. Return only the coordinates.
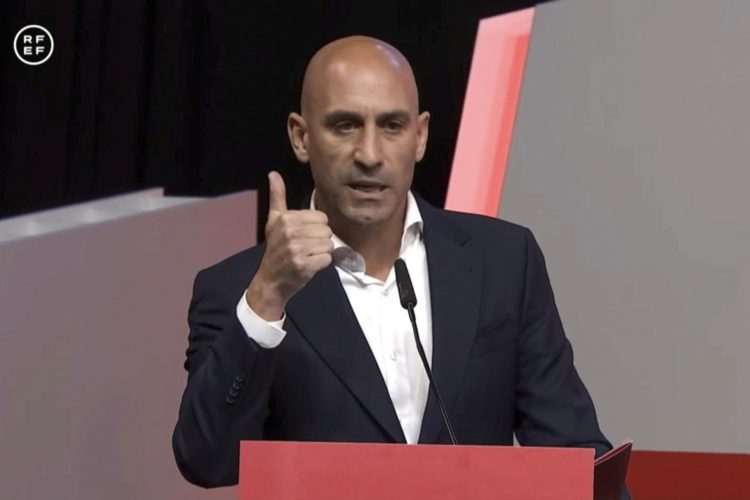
(267, 334)
(265, 300)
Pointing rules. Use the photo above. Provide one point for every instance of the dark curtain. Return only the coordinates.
(193, 95)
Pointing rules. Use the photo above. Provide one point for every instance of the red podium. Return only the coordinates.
(286, 470)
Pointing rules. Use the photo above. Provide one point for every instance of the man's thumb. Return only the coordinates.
(277, 193)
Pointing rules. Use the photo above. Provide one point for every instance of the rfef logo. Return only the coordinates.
(33, 45)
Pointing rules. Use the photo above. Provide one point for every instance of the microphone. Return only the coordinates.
(409, 301)
(405, 289)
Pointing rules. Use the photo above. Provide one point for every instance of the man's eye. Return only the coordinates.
(344, 127)
(393, 126)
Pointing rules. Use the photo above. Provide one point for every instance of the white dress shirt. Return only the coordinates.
(384, 322)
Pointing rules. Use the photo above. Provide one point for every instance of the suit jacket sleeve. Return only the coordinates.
(229, 378)
(553, 406)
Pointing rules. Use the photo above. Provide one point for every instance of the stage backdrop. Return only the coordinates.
(193, 95)
(93, 333)
(630, 163)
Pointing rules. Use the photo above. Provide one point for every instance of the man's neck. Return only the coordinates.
(379, 245)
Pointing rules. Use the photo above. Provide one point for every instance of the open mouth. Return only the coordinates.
(367, 188)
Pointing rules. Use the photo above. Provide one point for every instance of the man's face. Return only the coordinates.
(363, 137)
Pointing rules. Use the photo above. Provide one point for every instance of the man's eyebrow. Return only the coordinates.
(398, 114)
(340, 115)
(336, 116)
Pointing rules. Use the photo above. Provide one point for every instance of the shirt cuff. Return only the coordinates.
(268, 334)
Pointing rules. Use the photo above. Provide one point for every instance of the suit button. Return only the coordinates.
(233, 392)
(230, 400)
(241, 377)
(236, 385)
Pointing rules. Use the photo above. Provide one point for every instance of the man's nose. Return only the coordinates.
(368, 151)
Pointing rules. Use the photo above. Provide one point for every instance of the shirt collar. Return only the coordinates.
(346, 258)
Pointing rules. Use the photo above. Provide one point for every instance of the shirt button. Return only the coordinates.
(385, 293)
(394, 356)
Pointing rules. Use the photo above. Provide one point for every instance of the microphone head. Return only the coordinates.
(403, 281)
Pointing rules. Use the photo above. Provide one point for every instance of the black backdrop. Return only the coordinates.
(193, 95)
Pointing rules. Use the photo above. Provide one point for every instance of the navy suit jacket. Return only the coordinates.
(500, 357)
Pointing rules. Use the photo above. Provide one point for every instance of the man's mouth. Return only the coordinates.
(367, 187)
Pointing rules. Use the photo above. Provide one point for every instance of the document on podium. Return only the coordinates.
(609, 472)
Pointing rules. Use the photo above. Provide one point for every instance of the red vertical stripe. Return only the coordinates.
(489, 113)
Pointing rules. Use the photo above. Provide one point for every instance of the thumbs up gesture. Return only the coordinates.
(298, 245)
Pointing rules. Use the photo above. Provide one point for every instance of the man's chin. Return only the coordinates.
(366, 218)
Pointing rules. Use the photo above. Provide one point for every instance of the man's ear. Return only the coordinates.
(297, 130)
(423, 122)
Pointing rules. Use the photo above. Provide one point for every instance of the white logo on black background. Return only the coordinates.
(33, 45)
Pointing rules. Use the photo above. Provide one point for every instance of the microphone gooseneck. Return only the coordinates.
(408, 301)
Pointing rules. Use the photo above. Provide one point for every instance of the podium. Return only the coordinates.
(287, 469)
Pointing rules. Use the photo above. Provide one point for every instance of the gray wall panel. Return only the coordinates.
(629, 163)
(93, 334)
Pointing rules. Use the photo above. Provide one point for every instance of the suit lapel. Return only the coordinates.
(323, 315)
(455, 298)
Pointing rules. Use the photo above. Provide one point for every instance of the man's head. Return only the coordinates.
(360, 130)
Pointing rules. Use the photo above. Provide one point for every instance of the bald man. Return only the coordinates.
(303, 337)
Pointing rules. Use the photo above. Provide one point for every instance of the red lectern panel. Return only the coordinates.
(279, 469)
(665, 475)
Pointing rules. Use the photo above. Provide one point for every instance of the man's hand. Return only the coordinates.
(298, 245)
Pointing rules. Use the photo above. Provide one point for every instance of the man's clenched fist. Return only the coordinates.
(298, 245)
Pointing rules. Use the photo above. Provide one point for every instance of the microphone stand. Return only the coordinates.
(408, 301)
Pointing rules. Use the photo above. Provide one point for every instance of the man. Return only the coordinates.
(303, 337)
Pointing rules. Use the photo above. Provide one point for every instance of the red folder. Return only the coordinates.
(296, 470)
(609, 472)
